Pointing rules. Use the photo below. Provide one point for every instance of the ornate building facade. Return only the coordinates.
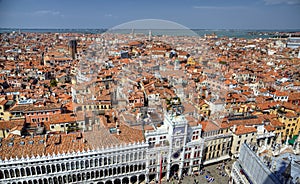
(174, 147)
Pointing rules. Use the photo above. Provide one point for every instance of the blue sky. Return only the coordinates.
(203, 14)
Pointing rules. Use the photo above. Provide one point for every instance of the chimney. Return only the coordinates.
(234, 128)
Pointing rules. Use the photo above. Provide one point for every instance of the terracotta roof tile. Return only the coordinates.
(241, 129)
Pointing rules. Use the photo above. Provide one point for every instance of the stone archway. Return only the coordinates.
(125, 180)
(117, 181)
(174, 170)
(60, 179)
(141, 178)
(45, 181)
(74, 178)
(152, 177)
(108, 182)
(133, 179)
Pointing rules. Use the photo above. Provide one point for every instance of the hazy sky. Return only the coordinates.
(203, 14)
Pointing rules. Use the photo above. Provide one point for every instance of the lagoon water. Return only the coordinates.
(237, 33)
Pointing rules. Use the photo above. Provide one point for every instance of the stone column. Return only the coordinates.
(157, 175)
(146, 177)
(266, 141)
(168, 170)
(158, 167)
(180, 169)
(192, 158)
(271, 140)
(190, 168)
(169, 157)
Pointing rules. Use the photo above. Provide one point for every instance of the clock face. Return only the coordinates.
(179, 130)
(176, 155)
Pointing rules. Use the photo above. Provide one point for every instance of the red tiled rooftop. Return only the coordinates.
(208, 126)
(241, 129)
(42, 145)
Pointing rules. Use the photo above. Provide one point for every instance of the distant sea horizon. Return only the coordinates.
(237, 33)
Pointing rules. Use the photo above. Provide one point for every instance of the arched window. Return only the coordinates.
(60, 180)
(17, 173)
(23, 172)
(109, 160)
(83, 176)
(74, 178)
(69, 178)
(105, 161)
(57, 167)
(81, 164)
(96, 162)
(114, 159)
(92, 163)
(131, 156)
(12, 173)
(38, 170)
(135, 168)
(28, 171)
(63, 167)
(48, 169)
(68, 166)
(72, 165)
(50, 180)
(135, 156)
(33, 171)
(53, 168)
(65, 179)
(6, 174)
(77, 165)
(55, 180)
(87, 165)
(88, 175)
(78, 177)
(131, 168)
(114, 171)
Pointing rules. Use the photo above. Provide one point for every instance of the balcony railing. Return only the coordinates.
(265, 135)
